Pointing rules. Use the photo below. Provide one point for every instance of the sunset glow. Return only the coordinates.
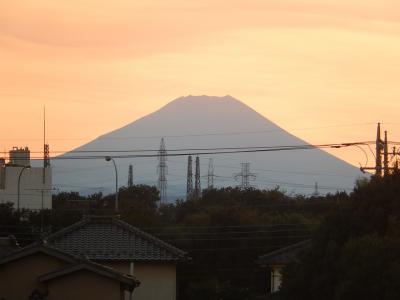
(326, 71)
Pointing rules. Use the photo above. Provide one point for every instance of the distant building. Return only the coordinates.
(35, 182)
(127, 249)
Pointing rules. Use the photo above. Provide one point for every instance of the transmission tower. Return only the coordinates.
(245, 176)
(189, 184)
(197, 187)
(316, 191)
(210, 175)
(162, 172)
(130, 176)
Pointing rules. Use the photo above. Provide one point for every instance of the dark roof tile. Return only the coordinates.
(108, 238)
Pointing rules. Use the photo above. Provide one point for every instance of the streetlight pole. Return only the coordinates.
(19, 184)
(108, 158)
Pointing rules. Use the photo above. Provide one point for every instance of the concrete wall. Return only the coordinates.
(83, 285)
(157, 281)
(276, 278)
(31, 187)
(19, 278)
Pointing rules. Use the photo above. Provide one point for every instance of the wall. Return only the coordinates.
(19, 278)
(83, 285)
(157, 281)
(276, 278)
(31, 187)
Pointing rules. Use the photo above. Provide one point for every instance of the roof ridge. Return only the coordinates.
(169, 249)
(61, 232)
(153, 238)
(295, 246)
(40, 246)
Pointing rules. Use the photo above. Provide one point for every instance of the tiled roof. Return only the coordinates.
(108, 238)
(128, 280)
(284, 256)
(38, 247)
(73, 264)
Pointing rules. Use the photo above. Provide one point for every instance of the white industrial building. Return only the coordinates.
(19, 180)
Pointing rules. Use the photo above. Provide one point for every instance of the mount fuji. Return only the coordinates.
(195, 122)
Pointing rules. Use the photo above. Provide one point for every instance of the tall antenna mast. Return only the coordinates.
(210, 175)
(189, 183)
(162, 172)
(197, 187)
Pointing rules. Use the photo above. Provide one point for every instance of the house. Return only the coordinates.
(40, 271)
(116, 244)
(275, 261)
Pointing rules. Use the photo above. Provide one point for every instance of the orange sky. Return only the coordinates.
(324, 70)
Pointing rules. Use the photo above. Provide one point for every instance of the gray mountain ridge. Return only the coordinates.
(203, 122)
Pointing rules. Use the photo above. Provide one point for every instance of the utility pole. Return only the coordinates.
(197, 186)
(385, 156)
(189, 183)
(162, 172)
(210, 175)
(245, 176)
(130, 176)
(382, 154)
(378, 164)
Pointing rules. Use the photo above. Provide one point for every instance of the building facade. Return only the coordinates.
(25, 185)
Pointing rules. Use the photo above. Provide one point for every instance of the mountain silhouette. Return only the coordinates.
(195, 122)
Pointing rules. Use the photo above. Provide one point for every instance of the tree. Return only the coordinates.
(355, 252)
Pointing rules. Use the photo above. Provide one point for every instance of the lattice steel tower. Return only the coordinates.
(130, 176)
(197, 187)
(245, 176)
(189, 184)
(210, 175)
(162, 172)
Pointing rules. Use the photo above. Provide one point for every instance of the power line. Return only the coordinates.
(336, 145)
(212, 151)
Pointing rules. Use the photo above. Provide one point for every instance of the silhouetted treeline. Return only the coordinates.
(224, 231)
(356, 250)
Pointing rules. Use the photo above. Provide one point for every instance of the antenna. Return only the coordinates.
(245, 176)
(162, 171)
(189, 183)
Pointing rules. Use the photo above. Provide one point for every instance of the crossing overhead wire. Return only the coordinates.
(213, 151)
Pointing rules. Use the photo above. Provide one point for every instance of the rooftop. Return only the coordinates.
(284, 256)
(108, 238)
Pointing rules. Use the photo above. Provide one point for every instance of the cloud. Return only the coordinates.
(126, 27)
